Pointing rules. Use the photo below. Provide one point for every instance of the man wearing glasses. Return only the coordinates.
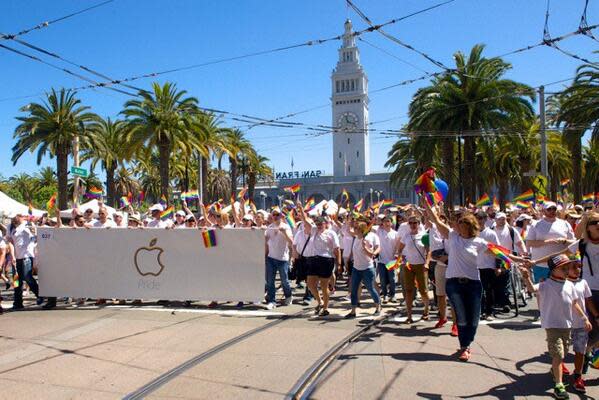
(103, 221)
(278, 241)
(548, 236)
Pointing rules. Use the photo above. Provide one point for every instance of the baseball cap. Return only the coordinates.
(523, 217)
(247, 217)
(500, 215)
(181, 213)
(156, 207)
(189, 217)
(134, 217)
(558, 261)
(549, 204)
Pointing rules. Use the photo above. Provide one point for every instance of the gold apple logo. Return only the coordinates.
(152, 248)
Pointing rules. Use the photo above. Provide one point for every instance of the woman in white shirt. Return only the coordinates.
(365, 248)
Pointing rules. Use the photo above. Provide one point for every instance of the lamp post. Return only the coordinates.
(280, 197)
(378, 195)
(371, 191)
(263, 195)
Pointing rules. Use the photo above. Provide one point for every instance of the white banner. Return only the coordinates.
(171, 264)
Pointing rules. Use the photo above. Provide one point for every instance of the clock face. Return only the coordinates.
(347, 121)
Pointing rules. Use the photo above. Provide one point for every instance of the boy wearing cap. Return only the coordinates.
(558, 302)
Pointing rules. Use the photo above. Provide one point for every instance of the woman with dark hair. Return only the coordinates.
(463, 286)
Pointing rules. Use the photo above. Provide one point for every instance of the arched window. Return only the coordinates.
(347, 140)
(358, 153)
(339, 154)
(353, 83)
(337, 86)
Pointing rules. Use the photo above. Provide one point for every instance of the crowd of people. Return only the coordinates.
(415, 250)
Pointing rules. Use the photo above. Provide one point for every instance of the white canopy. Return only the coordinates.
(10, 207)
(94, 205)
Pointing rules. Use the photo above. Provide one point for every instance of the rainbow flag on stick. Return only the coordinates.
(125, 202)
(209, 238)
(163, 200)
(290, 220)
(242, 193)
(484, 200)
(522, 205)
(564, 182)
(344, 196)
(293, 189)
(168, 213)
(433, 198)
(393, 264)
(495, 203)
(94, 193)
(359, 205)
(501, 253)
(426, 182)
(50, 204)
(310, 204)
(387, 203)
(588, 197)
(526, 196)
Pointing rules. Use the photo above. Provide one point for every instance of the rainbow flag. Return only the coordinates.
(495, 203)
(359, 205)
(564, 182)
(216, 206)
(393, 264)
(526, 196)
(141, 197)
(484, 200)
(522, 205)
(387, 203)
(310, 204)
(193, 194)
(344, 196)
(242, 193)
(500, 253)
(94, 193)
(163, 200)
(588, 197)
(209, 238)
(125, 202)
(253, 207)
(595, 359)
(168, 213)
(16, 282)
(51, 203)
(30, 210)
(560, 199)
(541, 200)
(293, 189)
(376, 206)
(290, 220)
(433, 198)
(426, 182)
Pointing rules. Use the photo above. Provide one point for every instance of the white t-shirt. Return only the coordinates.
(277, 244)
(555, 303)
(388, 241)
(363, 261)
(486, 259)
(347, 241)
(583, 291)
(505, 239)
(592, 251)
(463, 254)
(23, 241)
(299, 241)
(542, 230)
(108, 224)
(157, 223)
(324, 243)
(436, 242)
(413, 250)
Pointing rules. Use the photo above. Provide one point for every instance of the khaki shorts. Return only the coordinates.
(558, 342)
(416, 274)
(440, 280)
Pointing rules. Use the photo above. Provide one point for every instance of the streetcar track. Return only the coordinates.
(168, 376)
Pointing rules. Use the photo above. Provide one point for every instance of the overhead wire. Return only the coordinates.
(584, 23)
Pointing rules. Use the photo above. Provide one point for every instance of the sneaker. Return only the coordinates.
(377, 311)
(488, 317)
(16, 308)
(213, 304)
(324, 313)
(271, 306)
(299, 286)
(454, 330)
(317, 309)
(305, 302)
(559, 391)
(384, 300)
(587, 361)
(39, 301)
(440, 323)
(49, 305)
(393, 299)
(240, 304)
(287, 301)
(351, 315)
(565, 371)
(464, 355)
(579, 385)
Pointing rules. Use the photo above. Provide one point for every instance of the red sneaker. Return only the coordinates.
(454, 330)
(579, 385)
(465, 355)
(565, 371)
(440, 323)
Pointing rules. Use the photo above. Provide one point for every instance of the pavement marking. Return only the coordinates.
(239, 313)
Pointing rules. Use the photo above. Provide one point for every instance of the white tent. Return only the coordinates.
(10, 207)
(94, 205)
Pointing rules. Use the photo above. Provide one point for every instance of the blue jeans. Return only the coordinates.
(272, 266)
(25, 271)
(387, 278)
(465, 298)
(366, 276)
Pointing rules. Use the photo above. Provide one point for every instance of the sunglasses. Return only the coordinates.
(593, 223)
(413, 223)
(551, 209)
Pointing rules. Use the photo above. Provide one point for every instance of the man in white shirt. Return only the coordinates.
(156, 222)
(549, 235)
(278, 240)
(103, 221)
(22, 236)
(486, 264)
(388, 240)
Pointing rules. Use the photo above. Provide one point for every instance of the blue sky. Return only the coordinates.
(123, 39)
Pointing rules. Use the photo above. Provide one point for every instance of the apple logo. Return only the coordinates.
(148, 260)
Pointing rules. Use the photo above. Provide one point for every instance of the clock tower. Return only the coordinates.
(351, 150)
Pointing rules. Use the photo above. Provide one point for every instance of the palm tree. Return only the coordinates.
(219, 184)
(107, 144)
(46, 177)
(578, 109)
(25, 185)
(237, 146)
(158, 120)
(257, 168)
(591, 165)
(125, 183)
(468, 100)
(50, 127)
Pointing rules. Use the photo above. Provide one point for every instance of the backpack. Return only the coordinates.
(582, 249)
(512, 235)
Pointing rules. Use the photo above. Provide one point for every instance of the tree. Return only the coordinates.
(257, 168)
(236, 145)
(466, 101)
(107, 144)
(46, 177)
(50, 127)
(160, 120)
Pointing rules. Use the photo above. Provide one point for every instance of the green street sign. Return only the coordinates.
(80, 172)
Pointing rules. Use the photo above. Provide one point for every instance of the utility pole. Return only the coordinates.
(544, 170)
(76, 163)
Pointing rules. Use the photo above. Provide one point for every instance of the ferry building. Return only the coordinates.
(351, 147)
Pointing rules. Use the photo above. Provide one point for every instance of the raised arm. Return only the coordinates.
(442, 227)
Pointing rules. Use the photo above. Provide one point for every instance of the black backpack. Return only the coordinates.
(582, 249)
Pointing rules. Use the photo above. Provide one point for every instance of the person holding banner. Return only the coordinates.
(388, 238)
(156, 221)
(278, 240)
